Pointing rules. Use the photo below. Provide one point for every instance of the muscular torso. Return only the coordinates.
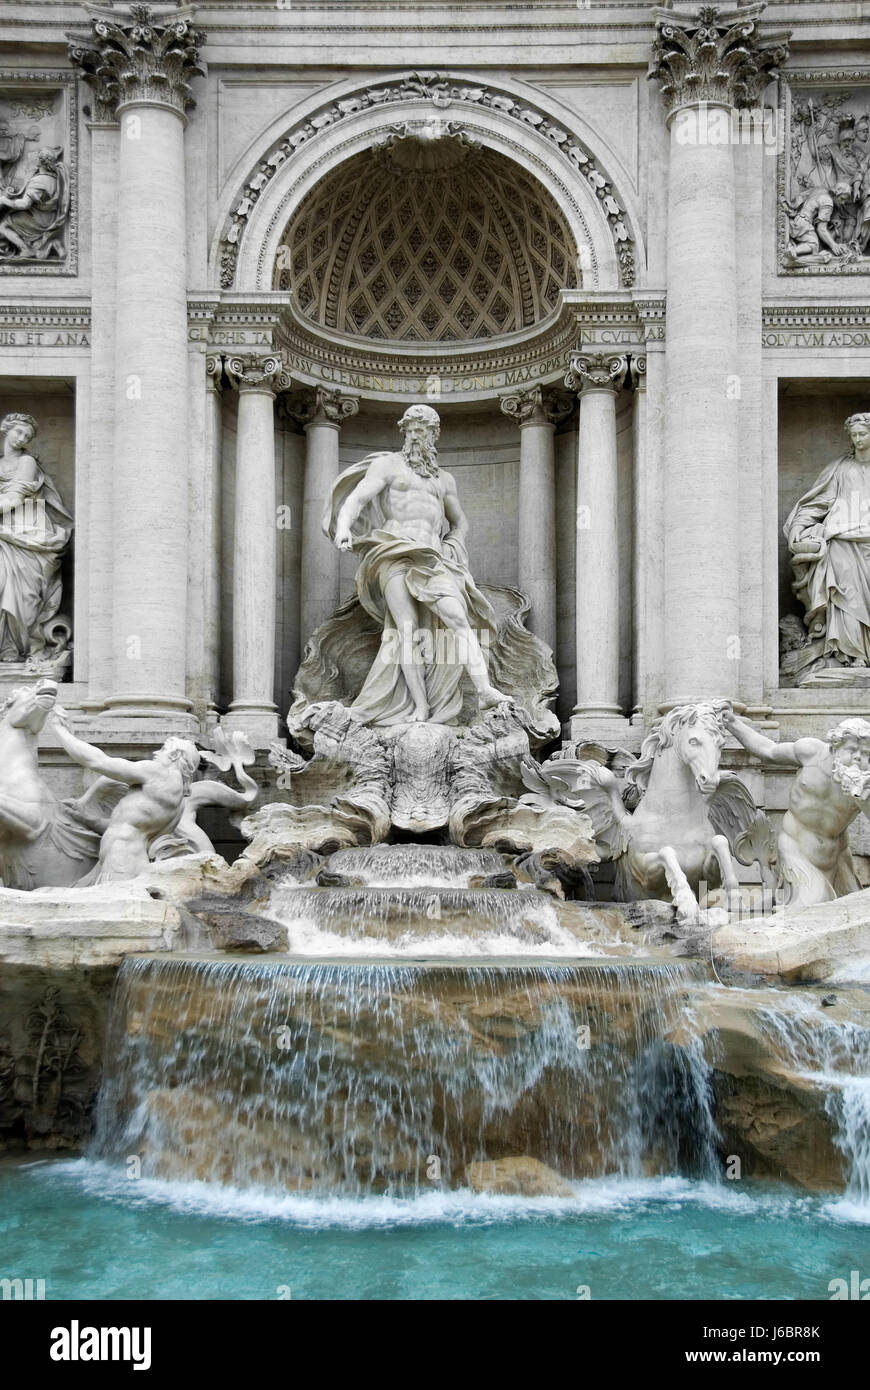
(819, 814)
(415, 502)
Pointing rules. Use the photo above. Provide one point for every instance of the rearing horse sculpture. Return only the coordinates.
(681, 821)
(44, 843)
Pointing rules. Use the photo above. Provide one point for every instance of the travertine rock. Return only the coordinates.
(521, 1177)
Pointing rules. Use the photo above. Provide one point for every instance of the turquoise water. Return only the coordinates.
(91, 1233)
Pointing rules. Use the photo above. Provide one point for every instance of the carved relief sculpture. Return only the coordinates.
(827, 198)
(35, 529)
(34, 215)
(828, 534)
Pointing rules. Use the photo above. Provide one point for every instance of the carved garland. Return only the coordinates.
(435, 88)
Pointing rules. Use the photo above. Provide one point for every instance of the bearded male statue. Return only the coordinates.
(831, 787)
(400, 513)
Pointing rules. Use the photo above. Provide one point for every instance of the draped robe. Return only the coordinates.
(35, 528)
(835, 586)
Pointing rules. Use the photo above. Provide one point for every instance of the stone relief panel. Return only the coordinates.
(824, 175)
(38, 158)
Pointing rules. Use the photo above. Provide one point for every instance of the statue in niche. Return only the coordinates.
(33, 216)
(35, 529)
(828, 533)
(831, 788)
(401, 514)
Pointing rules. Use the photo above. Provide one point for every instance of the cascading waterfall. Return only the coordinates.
(833, 1055)
(414, 865)
(362, 1078)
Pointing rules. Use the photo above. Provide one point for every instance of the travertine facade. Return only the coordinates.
(624, 251)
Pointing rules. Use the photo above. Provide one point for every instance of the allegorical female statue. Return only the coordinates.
(828, 534)
(35, 528)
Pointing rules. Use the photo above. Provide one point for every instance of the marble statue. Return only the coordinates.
(843, 164)
(811, 230)
(33, 217)
(831, 787)
(231, 751)
(159, 787)
(690, 819)
(44, 843)
(35, 528)
(828, 533)
(400, 513)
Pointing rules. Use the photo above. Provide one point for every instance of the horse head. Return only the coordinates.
(28, 706)
(696, 734)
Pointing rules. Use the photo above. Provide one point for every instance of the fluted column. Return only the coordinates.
(211, 605)
(597, 379)
(708, 63)
(100, 462)
(255, 540)
(537, 411)
(321, 412)
(141, 64)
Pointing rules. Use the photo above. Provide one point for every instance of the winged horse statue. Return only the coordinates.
(680, 820)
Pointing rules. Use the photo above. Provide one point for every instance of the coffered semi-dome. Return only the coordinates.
(431, 240)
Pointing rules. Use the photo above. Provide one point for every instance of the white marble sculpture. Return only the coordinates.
(34, 215)
(231, 751)
(44, 842)
(831, 788)
(151, 808)
(35, 528)
(401, 515)
(690, 821)
(828, 533)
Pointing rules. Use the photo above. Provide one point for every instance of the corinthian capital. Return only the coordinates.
(596, 372)
(537, 405)
(141, 53)
(255, 372)
(716, 55)
(318, 405)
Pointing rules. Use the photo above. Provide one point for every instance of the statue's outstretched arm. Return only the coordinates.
(121, 769)
(366, 491)
(781, 754)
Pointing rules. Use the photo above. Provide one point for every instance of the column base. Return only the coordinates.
(159, 715)
(258, 722)
(607, 728)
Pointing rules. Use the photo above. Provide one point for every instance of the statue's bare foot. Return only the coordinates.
(489, 696)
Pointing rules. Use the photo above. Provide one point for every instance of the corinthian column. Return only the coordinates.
(322, 413)
(597, 380)
(537, 411)
(141, 63)
(255, 542)
(709, 63)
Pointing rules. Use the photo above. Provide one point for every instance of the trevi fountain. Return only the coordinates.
(435, 651)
